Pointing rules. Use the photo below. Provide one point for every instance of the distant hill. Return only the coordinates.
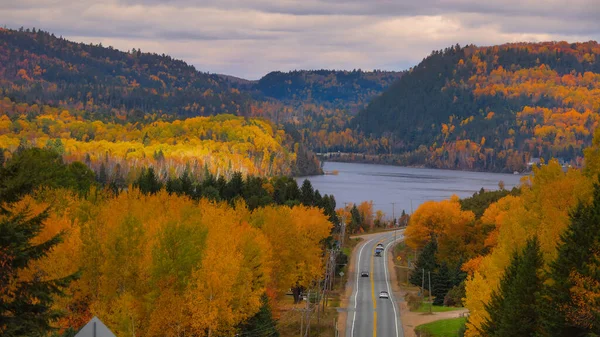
(491, 108)
(334, 89)
(38, 67)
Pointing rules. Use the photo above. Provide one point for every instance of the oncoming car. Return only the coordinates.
(384, 294)
(364, 274)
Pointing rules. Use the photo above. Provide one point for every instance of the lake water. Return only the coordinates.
(406, 187)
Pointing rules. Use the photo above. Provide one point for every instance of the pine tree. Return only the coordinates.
(307, 193)
(441, 283)
(102, 176)
(262, 324)
(26, 306)
(426, 261)
(355, 219)
(2, 157)
(562, 314)
(513, 308)
(148, 182)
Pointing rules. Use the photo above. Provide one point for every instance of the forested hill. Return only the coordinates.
(38, 67)
(492, 108)
(334, 89)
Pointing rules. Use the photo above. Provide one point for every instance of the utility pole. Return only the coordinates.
(430, 302)
(423, 286)
(307, 332)
(394, 213)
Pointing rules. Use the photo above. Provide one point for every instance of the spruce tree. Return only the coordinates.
(562, 312)
(426, 261)
(26, 306)
(262, 324)
(355, 219)
(307, 193)
(441, 283)
(513, 308)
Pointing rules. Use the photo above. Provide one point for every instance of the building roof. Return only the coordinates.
(95, 328)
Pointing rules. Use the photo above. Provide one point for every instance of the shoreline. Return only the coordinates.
(421, 166)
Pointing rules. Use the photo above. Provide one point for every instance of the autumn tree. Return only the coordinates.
(444, 221)
(570, 301)
(540, 210)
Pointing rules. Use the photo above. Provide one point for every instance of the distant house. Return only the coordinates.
(534, 161)
(95, 328)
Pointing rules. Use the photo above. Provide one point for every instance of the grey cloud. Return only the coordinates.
(249, 38)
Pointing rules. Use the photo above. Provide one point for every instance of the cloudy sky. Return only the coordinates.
(249, 38)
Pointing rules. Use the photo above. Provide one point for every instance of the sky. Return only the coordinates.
(249, 38)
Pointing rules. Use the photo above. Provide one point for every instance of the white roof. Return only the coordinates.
(95, 328)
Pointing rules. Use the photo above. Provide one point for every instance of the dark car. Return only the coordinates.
(364, 273)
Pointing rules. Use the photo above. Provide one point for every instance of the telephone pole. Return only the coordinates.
(423, 286)
(394, 213)
(430, 302)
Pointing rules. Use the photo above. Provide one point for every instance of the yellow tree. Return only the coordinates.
(542, 210)
(445, 222)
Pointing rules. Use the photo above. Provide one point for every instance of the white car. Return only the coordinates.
(364, 274)
(384, 294)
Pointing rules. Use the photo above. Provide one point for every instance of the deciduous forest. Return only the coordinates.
(524, 260)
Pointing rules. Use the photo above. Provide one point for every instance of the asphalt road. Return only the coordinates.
(369, 315)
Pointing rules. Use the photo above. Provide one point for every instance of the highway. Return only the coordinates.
(369, 315)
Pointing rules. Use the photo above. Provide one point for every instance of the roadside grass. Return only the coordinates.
(435, 308)
(322, 324)
(443, 328)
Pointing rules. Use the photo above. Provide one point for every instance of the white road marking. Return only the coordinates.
(385, 263)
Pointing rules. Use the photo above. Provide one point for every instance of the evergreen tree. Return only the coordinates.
(233, 188)
(117, 182)
(562, 312)
(173, 185)
(26, 306)
(513, 308)
(426, 261)
(307, 193)
(262, 324)
(102, 176)
(148, 182)
(441, 283)
(33, 168)
(187, 184)
(355, 219)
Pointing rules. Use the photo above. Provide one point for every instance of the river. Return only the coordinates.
(395, 188)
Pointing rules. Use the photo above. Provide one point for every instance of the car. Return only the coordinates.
(364, 273)
(384, 294)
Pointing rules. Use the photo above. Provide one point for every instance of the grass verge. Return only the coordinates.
(435, 308)
(444, 328)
